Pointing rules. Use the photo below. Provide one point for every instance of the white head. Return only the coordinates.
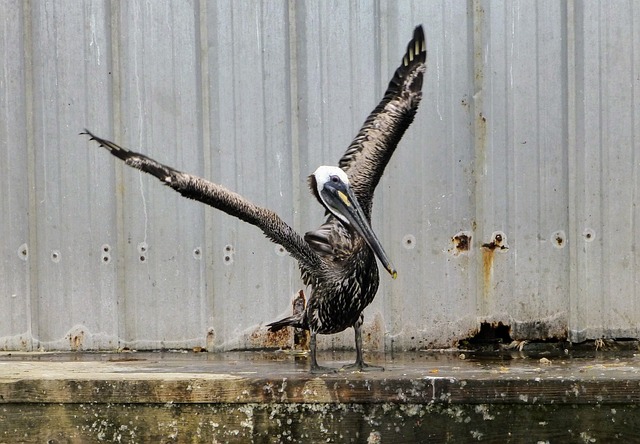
(331, 187)
(324, 174)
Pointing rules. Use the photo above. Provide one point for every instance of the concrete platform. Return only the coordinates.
(269, 397)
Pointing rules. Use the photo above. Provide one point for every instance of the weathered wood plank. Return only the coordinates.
(151, 378)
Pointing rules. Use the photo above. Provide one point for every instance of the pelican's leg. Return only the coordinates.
(360, 365)
(315, 368)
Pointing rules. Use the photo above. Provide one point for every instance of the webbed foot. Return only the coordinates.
(321, 370)
(361, 367)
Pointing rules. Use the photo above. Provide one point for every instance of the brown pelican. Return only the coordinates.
(338, 259)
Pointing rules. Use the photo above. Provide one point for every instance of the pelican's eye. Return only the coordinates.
(335, 179)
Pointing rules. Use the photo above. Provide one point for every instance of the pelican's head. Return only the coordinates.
(331, 187)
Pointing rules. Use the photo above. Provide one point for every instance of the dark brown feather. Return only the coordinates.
(368, 155)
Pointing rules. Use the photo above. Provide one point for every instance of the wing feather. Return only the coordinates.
(368, 155)
(219, 197)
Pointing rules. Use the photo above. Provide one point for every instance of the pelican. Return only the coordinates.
(338, 260)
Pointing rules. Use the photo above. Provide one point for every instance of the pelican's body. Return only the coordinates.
(338, 260)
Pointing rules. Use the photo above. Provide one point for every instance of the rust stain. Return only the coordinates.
(211, 335)
(498, 242)
(300, 335)
(373, 334)
(487, 270)
(478, 27)
(481, 136)
(75, 341)
(461, 242)
(480, 121)
(559, 239)
(263, 338)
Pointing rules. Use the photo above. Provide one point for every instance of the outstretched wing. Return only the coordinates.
(221, 198)
(368, 155)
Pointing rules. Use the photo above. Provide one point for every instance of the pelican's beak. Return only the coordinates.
(343, 203)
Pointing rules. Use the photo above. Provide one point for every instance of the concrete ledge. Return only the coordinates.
(270, 397)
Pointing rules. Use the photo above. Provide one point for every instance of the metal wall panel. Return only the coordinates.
(160, 114)
(604, 169)
(426, 196)
(512, 198)
(521, 167)
(335, 98)
(75, 298)
(15, 175)
(248, 84)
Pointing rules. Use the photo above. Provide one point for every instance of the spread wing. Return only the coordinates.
(221, 198)
(368, 155)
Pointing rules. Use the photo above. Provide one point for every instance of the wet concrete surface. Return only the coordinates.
(550, 395)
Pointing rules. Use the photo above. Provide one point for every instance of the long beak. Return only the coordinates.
(345, 203)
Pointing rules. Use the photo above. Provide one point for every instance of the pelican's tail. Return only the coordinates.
(291, 321)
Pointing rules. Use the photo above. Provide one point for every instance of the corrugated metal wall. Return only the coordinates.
(526, 143)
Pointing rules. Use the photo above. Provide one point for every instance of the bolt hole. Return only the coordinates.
(196, 252)
(142, 258)
(559, 239)
(228, 248)
(409, 241)
(227, 258)
(589, 235)
(105, 248)
(23, 252)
